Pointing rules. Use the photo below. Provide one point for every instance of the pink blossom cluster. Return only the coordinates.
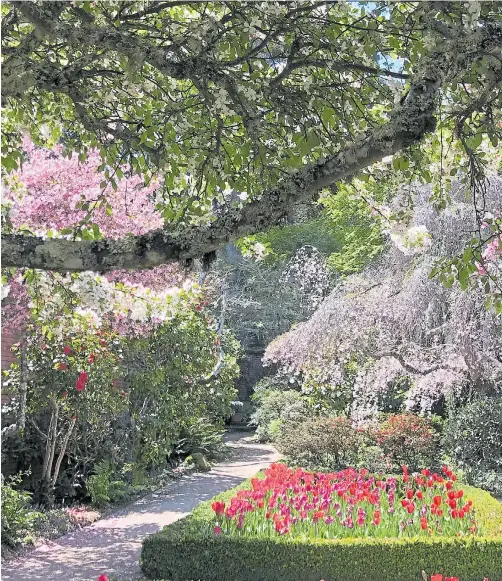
(48, 189)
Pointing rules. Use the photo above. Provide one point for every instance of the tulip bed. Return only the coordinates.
(346, 526)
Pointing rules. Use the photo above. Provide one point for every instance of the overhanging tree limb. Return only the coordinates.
(406, 125)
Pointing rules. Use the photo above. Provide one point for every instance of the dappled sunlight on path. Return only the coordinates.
(113, 545)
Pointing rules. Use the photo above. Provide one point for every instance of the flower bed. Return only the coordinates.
(349, 503)
(350, 526)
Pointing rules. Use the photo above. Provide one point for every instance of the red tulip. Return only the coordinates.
(410, 508)
(436, 578)
(420, 495)
(217, 530)
(409, 494)
(423, 523)
(218, 507)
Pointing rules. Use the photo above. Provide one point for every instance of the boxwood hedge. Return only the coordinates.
(186, 551)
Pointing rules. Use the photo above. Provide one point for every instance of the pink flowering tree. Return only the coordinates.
(72, 377)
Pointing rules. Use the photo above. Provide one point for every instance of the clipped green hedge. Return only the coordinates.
(185, 551)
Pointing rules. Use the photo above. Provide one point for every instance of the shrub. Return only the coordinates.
(18, 519)
(472, 437)
(272, 405)
(103, 488)
(408, 439)
(322, 443)
(200, 435)
(185, 551)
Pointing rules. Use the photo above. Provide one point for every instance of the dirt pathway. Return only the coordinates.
(113, 545)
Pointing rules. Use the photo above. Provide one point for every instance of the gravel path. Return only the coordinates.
(113, 545)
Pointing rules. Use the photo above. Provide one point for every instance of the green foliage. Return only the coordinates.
(472, 437)
(320, 443)
(326, 396)
(200, 435)
(18, 519)
(168, 395)
(272, 407)
(408, 439)
(283, 242)
(103, 488)
(189, 549)
(358, 231)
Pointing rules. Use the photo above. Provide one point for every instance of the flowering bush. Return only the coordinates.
(321, 443)
(349, 503)
(408, 439)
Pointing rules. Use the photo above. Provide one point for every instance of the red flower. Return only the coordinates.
(102, 578)
(64, 394)
(436, 578)
(67, 350)
(410, 508)
(102, 343)
(420, 495)
(61, 366)
(81, 381)
(218, 507)
(437, 500)
(423, 523)
(451, 579)
(425, 472)
(217, 530)
(91, 358)
(409, 494)
(439, 512)
(449, 485)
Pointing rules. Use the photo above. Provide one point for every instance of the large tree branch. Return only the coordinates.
(406, 125)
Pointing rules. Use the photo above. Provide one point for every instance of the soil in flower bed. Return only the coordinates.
(348, 503)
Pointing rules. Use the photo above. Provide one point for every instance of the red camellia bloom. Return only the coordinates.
(81, 381)
(218, 507)
(67, 350)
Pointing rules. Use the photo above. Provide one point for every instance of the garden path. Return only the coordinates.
(113, 545)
